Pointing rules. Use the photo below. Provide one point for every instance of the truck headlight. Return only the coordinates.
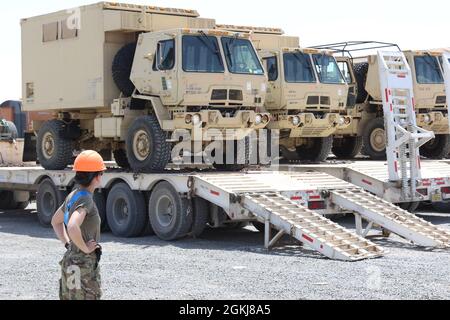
(258, 119)
(341, 121)
(427, 119)
(295, 120)
(196, 119)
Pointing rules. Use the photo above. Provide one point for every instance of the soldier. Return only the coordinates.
(77, 224)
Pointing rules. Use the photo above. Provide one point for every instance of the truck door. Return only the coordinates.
(346, 66)
(273, 96)
(165, 66)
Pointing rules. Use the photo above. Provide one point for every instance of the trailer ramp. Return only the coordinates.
(310, 228)
(391, 218)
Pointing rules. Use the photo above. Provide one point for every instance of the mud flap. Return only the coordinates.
(29, 150)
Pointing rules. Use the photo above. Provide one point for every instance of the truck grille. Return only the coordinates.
(219, 95)
(441, 100)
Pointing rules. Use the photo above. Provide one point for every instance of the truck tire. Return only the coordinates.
(120, 156)
(318, 151)
(361, 70)
(170, 215)
(243, 157)
(438, 148)
(126, 211)
(201, 216)
(54, 151)
(147, 147)
(121, 69)
(100, 202)
(347, 147)
(48, 200)
(374, 140)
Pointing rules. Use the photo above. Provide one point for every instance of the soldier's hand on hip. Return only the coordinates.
(91, 246)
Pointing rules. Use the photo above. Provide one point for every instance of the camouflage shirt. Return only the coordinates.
(90, 229)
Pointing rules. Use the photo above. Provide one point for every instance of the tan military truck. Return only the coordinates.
(362, 75)
(306, 96)
(125, 77)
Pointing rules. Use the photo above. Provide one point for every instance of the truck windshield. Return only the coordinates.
(428, 70)
(241, 57)
(202, 54)
(298, 68)
(327, 69)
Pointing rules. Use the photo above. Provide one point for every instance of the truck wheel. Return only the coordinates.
(374, 140)
(443, 207)
(147, 148)
(201, 216)
(347, 148)
(100, 202)
(54, 151)
(121, 69)
(126, 211)
(120, 156)
(438, 148)
(48, 200)
(317, 150)
(170, 215)
(361, 70)
(238, 157)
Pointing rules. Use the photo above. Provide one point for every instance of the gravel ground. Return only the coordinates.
(224, 264)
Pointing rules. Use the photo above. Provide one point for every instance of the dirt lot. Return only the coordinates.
(224, 264)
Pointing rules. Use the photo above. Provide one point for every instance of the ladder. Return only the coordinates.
(308, 227)
(390, 217)
(404, 137)
(446, 69)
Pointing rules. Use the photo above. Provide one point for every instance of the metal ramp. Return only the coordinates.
(261, 194)
(404, 137)
(390, 217)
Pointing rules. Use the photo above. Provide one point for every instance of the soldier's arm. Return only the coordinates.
(74, 230)
(58, 226)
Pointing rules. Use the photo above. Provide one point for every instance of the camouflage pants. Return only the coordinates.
(80, 277)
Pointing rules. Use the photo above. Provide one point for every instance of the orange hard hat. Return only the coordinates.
(89, 161)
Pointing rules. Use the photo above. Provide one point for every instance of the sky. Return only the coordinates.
(411, 24)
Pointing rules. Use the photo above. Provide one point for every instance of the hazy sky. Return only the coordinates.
(411, 24)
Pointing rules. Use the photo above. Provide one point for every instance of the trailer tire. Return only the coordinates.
(436, 149)
(347, 147)
(126, 211)
(120, 156)
(170, 215)
(121, 69)
(201, 216)
(443, 207)
(373, 141)
(54, 151)
(317, 152)
(100, 202)
(361, 70)
(147, 148)
(48, 200)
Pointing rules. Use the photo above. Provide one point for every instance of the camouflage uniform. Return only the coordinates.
(80, 276)
(80, 273)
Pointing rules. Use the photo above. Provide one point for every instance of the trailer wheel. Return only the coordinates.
(347, 148)
(147, 148)
(374, 140)
(121, 68)
(48, 200)
(438, 148)
(361, 70)
(200, 218)
(443, 207)
(100, 202)
(317, 150)
(170, 215)
(126, 211)
(54, 151)
(120, 156)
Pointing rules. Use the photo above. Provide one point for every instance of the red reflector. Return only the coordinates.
(402, 75)
(445, 190)
(296, 198)
(396, 166)
(314, 197)
(215, 193)
(367, 182)
(308, 238)
(387, 95)
(316, 205)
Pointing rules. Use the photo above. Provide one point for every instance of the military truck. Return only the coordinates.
(367, 132)
(125, 78)
(306, 96)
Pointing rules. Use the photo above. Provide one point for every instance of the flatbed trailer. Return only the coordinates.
(175, 204)
(372, 176)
